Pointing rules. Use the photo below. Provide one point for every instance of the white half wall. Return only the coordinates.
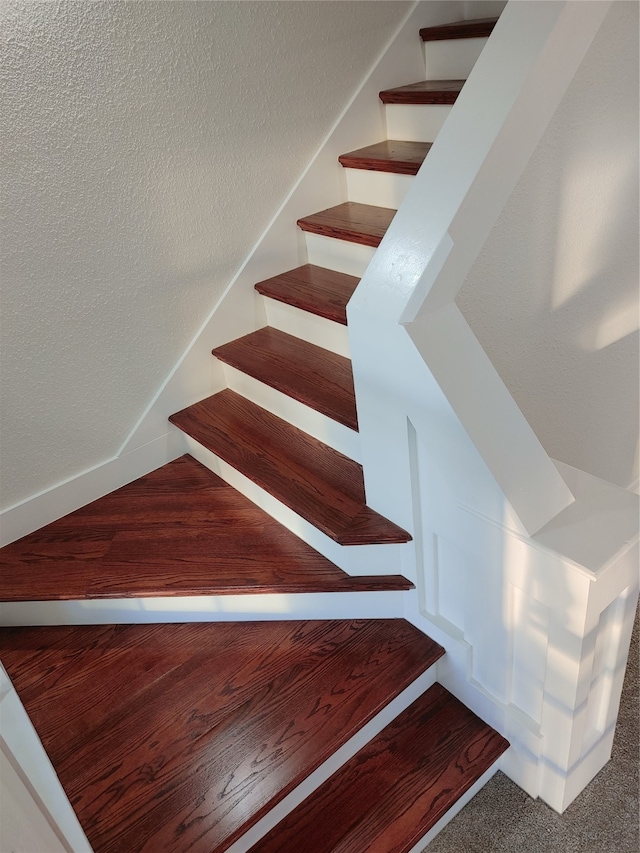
(145, 147)
(553, 295)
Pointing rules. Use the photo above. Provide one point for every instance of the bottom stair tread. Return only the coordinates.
(392, 792)
(181, 737)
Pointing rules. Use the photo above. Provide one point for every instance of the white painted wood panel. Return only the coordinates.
(415, 122)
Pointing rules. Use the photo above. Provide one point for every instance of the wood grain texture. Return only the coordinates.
(180, 737)
(180, 530)
(311, 478)
(424, 92)
(351, 221)
(390, 155)
(390, 794)
(315, 289)
(477, 28)
(312, 375)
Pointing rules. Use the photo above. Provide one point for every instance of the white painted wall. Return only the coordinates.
(145, 148)
(553, 296)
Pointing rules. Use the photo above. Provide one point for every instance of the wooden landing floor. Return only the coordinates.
(180, 530)
(178, 737)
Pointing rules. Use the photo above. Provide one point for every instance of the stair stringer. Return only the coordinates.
(526, 568)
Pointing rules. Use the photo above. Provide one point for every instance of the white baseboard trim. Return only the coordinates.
(66, 497)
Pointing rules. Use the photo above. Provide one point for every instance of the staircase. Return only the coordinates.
(264, 734)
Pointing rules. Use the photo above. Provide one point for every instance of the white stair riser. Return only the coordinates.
(353, 559)
(383, 189)
(301, 324)
(336, 761)
(452, 59)
(314, 423)
(205, 608)
(340, 255)
(415, 122)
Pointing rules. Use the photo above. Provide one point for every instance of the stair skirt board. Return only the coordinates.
(314, 423)
(317, 330)
(387, 559)
(249, 607)
(415, 122)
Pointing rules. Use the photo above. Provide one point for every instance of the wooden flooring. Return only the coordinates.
(307, 373)
(477, 28)
(400, 158)
(179, 737)
(351, 221)
(180, 530)
(424, 92)
(320, 484)
(392, 792)
(320, 291)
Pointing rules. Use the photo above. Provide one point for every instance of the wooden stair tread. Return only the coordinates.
(311, 478)
(390, 155)
(392, 792)
(477, 28)
(351, 221)
(180, 737)
(424, 92)
(312, 375)
(180, 530)
(315, 289)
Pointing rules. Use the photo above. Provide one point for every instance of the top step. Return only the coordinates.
(478, 28)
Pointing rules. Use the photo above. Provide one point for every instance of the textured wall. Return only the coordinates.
(553, 297)
(145, 146)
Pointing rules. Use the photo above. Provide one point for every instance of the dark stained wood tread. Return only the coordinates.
(401, 158)
(315, 289)
(424, 92)
(180, 737)
(392, 792)
(314, 480)
(351, 221)
(180, 530)
(312, 375)
(477, 28)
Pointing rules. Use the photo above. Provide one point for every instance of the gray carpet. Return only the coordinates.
(603, 819)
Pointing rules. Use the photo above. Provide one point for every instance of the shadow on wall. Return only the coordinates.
(553, 296)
